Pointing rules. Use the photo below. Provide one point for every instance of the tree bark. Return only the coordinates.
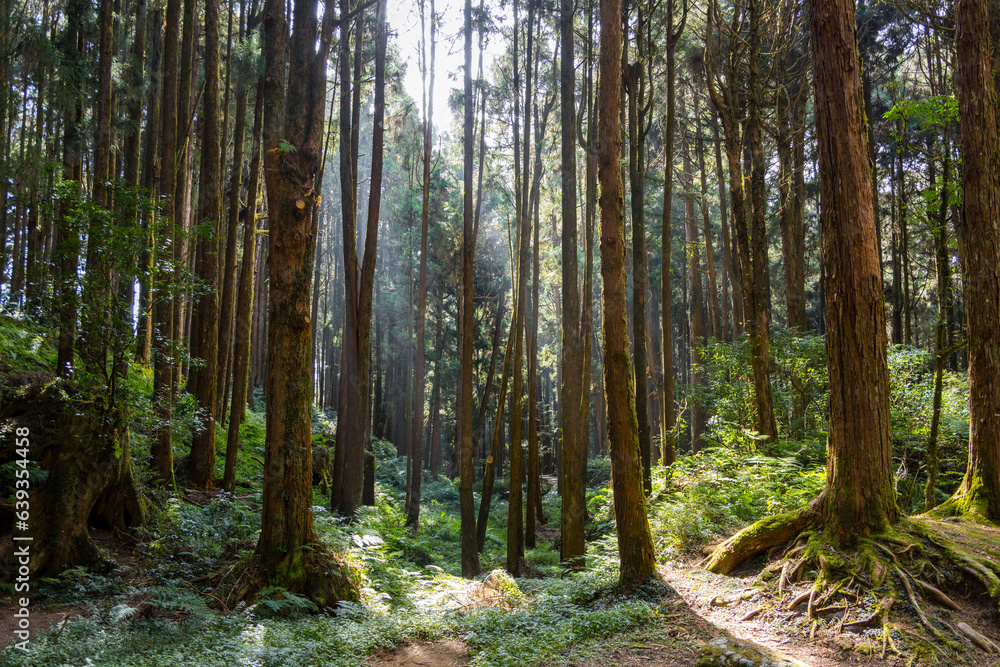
(209, 215)
(285, 548)
(979, 239)
(859, 497)
(635, 543)
(416, 434)
(755, 252)
(359, 280)
(244, 303)
(574, 441)
(470, 555)
(163, 309)
(635, 78)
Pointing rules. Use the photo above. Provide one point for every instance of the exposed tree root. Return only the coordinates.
(758, 537)
(906, 557)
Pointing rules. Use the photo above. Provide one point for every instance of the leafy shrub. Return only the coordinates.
(718, 490)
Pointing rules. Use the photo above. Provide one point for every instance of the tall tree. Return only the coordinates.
(574, 441)
(515, 512)
(979, 236)
(470, 554)
(244, 303)
(635, 542)
(293, 114)
(635, 77)
(859, 498)
(697, 339)
(97, 284)
(227, 299)
(416, 434)
(359, 277)
(67, 244)
(163, 307)
(753, 250)
(207, 264)
(667, 450)
(751, 236)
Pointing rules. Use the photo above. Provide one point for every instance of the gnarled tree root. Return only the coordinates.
(906, 556)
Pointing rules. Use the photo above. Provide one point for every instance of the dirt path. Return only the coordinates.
(440, 653)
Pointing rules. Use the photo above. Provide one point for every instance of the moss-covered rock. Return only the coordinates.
(725, 651)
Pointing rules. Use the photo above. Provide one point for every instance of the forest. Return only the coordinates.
(499, 332)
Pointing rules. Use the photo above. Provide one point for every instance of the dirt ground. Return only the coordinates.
(440, 653)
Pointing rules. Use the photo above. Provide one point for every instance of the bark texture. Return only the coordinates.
(635, 543)
(470, 555)
(285, 548)
(979, 238)
(859, 498)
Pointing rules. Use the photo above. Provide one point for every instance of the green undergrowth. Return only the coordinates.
(162, 608)
(708, 495)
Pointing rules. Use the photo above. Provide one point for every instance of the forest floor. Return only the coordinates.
(694, 616)
(692, 607)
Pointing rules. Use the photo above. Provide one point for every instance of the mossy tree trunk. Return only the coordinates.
(635, 542)
(83, 444)
(979, 238)
(286, 550)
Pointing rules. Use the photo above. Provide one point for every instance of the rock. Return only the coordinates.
(727, 651)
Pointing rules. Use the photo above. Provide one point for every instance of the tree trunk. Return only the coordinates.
(151, 143)
(94, 318)
(979, 239)
(207, 306)
(67, 232)
(244, 303)
(470, 555)
(515, 513)
(285, 549)
(359, 280)
(943, 285)
(697, 339)
(730, 262)
(416, 434)
(714, 315)
(635, 77)
(635, 543)
(755, 254)
(859, 498)
(163, 309)
(227, 303)
(574, 442)
(534, 500)
(669, 419)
